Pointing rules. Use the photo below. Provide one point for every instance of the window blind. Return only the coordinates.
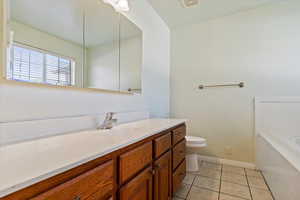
(33, 65)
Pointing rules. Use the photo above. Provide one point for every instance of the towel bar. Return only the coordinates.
(241, 85)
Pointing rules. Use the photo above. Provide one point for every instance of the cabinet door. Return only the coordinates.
(162, 178)
(139, 188)
(178, 176)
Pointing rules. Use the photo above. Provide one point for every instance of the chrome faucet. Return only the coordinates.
(108, 122)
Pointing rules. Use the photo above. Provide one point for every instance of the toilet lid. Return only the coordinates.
(195, 140)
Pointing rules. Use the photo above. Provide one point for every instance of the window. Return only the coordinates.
(33, 65)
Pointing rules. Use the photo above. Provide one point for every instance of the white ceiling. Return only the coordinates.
(174, 14)
(64, 19)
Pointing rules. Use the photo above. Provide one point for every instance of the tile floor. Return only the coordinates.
(223, 182)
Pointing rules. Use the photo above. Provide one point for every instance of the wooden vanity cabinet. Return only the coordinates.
(163, 177)
(151, 169)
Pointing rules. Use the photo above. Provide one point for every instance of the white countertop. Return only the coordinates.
(27, 163)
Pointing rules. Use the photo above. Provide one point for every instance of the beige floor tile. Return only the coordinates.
(208, 183)
(257, 183)
(253, 173)
(227, 197)
(214, 166)
(183, 191)
(234, 178)
(258, 194)
(211, 173)
(235, 190)
(189, 178)
(233, 169)
(202, 194)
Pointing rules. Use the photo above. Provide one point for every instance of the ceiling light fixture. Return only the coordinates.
(118, 5)
(189, 3)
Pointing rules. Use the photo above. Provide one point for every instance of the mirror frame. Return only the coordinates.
(4, 9)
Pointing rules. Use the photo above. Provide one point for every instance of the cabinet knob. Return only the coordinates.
(77, 198)
(152, 172)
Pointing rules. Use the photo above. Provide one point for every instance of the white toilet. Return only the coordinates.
(192, 159)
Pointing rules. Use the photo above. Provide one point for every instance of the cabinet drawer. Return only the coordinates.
(162, 144)
(134, 160)
(178, 134)
(139, 188)
(178, 153)
(179, 175)
(94, 184)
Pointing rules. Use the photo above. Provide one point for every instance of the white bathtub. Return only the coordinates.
(278, 145)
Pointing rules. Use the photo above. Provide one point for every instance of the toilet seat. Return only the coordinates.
(192, 141)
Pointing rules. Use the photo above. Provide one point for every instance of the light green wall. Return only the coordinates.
(260, 47)
(103, 64)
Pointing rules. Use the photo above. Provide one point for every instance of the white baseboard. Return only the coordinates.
(227, 162)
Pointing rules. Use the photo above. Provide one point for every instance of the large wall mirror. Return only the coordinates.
(82, 43)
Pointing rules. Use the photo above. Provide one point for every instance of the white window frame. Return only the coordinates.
(44, 52)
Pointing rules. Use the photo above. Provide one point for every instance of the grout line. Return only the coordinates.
(228, 181)
(200, 187)
(221, 179)
(228, 194)
(267, 185)
(207, 177)
(220, 182)
(236, 183)
(231, 172)
(201, 162)
(190, 187)
(248, 184)
(232, 195)
(215, 179)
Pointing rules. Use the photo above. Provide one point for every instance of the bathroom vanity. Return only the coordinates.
(142, 160)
